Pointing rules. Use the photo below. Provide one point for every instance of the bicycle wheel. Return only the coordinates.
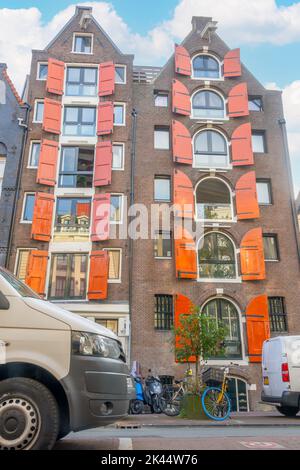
(171, 408)
(215, 405)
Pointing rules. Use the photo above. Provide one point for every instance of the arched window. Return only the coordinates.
(238, 394)
(225, 313)
(205, 66)
(213, 200)
(216, 257)
(208, 104)
(210, 150)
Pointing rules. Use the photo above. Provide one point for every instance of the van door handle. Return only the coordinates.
(6, 344)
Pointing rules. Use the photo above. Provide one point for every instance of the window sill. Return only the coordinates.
(26, 222)
(208, 79)
(163, 257)
(227, 362)
(114, 281)
(82, 53)
(272, 260)
(220, 281)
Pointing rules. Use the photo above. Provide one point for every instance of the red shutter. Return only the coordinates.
(232, 64)
(46, 173)
(183, 306)
(101, 217)
(238, 101)
(246, 197)
(181, 101)
(182, 61)
(103, 164)
(36, 271)
(252, 256)
(182, 144)
(105, 118)
(183, 195)
(241, 146)
(258, 326)
(55, 77)
(106, 79)
(42, 217)
(52, 116)
(98, 275)
(185, 254)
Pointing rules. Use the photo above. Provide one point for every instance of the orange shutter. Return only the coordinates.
(258, 326)
(101, 217)
(182, 61)
(241, 146)
(36, 271)
(183, 195)
(185, 254)
(46, 173)
(105, 118)
(181, 102)
(52, 116)
(182, 144)
(42, 217)
(106, 79)
(98, 275)
(246, 197)
(183, 306)
(55, 77)
(232, 64)
(103, 164)
(238, 101)
(252, 256)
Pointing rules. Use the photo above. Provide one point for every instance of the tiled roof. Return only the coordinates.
(12, 87)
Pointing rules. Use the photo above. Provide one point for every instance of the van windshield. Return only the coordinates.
(18, 285)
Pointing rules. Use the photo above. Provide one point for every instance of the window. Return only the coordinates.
(118, 157)
(226, 315)
(162, 188)
(216, 255)
(161, 99)
(264, 192)
(28, 207)
(259, 142)
(83, 43)
(21, 265)
(42, 71)
(161, 138)
(271, 247)
(210, 150)
(81, 81)
(111, 325)
(120, 74)
(68, 276)
(114, 265)
(277, 314)
(163, 315)
(163, 245)
(79, 121)
(3, 155)
(255, 103)
(76, 167)
(119, 114)
(34, 154)
(213, 199)
(208, 104)
(38, 111)
(205, 66)
(116, 208)
(72, 219)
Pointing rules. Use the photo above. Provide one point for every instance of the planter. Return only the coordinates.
(192, 407)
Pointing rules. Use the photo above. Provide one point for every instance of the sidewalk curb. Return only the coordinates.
(213, 425)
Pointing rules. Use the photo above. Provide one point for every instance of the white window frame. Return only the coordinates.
(32, 142)
(117, 103)
(119, 280)
(269, 187)
(18, 255)
(123, 162)
(28, 193)
(83, 34)
(35, 110)
(120, 222)
(125, 74)
(38, 72)
(209, 119)
(162, 93)
(215, 221)
(219, 79)
(220, 168)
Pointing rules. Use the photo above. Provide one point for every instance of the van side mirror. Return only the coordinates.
(4, 303)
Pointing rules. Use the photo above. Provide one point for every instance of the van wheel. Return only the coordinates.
(287, 410)
(29, 416)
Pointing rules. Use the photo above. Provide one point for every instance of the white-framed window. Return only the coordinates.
(162, 188)
(83, 43)
(42, 71)
(264, 192)
(213, 200)
(211, 149)
(38, 112)
(118, 156)
(259, 142)
(119, 114)
(79, 121)
(120, 74)
(208, 104)
(81, 81)
(34, 153)
(28, 207)
(114, 265)
(161, 138)
(116, 208)
(206, 66)
(21, 262)
(217, 259)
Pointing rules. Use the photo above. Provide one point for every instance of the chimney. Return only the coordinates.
(199, 23)
(85, 10)
(85, 16)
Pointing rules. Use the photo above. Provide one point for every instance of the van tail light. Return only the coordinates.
(285, 374)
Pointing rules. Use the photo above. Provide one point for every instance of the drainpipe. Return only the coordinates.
(24, 126)
(282, 125)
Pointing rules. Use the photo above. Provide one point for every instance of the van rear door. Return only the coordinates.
(292, 345)
(273, 357)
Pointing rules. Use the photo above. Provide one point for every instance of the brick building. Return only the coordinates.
(200, 131)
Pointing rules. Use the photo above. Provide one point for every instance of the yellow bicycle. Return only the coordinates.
(215, 401)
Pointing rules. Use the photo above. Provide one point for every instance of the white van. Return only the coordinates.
(58, 372)
(281, 374)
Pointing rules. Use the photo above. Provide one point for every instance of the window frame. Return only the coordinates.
(26, 194)
(219, 78)
(72, 235)
(32, 143)
(17, 259)
(209, 118)
(36, 103)
(162, 129)
(119, 279)
(79, 122)
(162, 177)
(275, 318)
(120, 144)
(163, 320)
(80, 34)
(221, 168)
(81, 84)
(123, 105)
(161, 232)
(213, 221)
(77, 173)
(68, 277)
(262, 133)
(158, 93)
(38, 71)
(118, 222)
(252, 98)
(275, 237)
(267, 181)
(123, 66)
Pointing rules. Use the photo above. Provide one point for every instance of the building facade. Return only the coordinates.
(201, 133)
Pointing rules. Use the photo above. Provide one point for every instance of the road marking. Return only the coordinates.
(125, 443)
(262, 445)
